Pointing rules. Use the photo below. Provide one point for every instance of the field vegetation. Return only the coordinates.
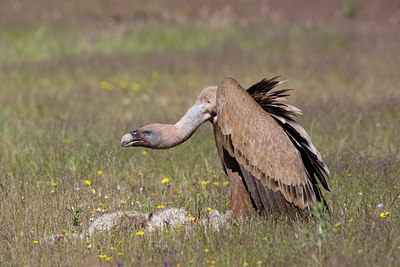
(76, 75)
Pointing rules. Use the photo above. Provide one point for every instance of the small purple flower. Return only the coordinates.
(166, 222)
(40, 169)
(383, 163)
(132, 188)
(271, 245)
(165, 251)
(168, 186)
(27, 169)
(166, 264)
(193, 184)
(119, 264)
(5, 237)
(58, 238)
(173, 252)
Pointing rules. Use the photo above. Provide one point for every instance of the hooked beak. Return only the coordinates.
(130, 139)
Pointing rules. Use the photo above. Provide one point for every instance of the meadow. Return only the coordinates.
(75, 76)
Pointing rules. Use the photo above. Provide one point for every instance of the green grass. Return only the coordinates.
(68, 94)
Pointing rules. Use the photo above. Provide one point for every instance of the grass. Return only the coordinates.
(68, 93)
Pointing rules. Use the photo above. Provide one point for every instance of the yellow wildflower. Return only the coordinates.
(35, 241)
(23, 198)
(135, 86)
(351, 219)
(121, 254)
(108, 258)
(216, 183)
(245, 264)
(144, 152)
(360, 251)
(87, 182)
(384, 214)
(208, 208)
(160, 207)
(123, 84)
(154, 75)
(336, 225)
(206, 250)
(110, 87)
(165, 180)
(54, 184)
(102, 256)
(113, 248)
(227, 182)
(206, 182)
(140, 233)
(259, 262)
(103, 84)
(99, 172)
(66, 141)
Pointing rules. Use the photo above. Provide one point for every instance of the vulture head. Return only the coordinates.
(163, 136)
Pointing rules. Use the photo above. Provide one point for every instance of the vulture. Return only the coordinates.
(272, 165)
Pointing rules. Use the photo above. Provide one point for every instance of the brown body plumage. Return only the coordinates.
(269, 158)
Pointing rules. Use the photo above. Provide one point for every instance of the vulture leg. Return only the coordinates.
(240, 203)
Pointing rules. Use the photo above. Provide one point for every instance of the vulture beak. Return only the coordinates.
(130, 139)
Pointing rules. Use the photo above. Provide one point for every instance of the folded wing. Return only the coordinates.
(269, 159)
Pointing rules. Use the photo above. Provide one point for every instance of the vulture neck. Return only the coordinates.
(187, 125)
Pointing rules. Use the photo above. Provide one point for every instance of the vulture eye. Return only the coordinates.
(147, 132)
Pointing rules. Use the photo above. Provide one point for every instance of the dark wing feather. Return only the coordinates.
(275, 104)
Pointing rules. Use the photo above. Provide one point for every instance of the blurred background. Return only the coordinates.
(127, 63)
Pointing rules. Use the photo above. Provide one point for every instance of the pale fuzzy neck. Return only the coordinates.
(188, 124)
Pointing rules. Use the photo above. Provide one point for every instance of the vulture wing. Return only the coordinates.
(252, 141)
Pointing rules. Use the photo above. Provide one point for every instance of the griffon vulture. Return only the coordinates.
(269, 158)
